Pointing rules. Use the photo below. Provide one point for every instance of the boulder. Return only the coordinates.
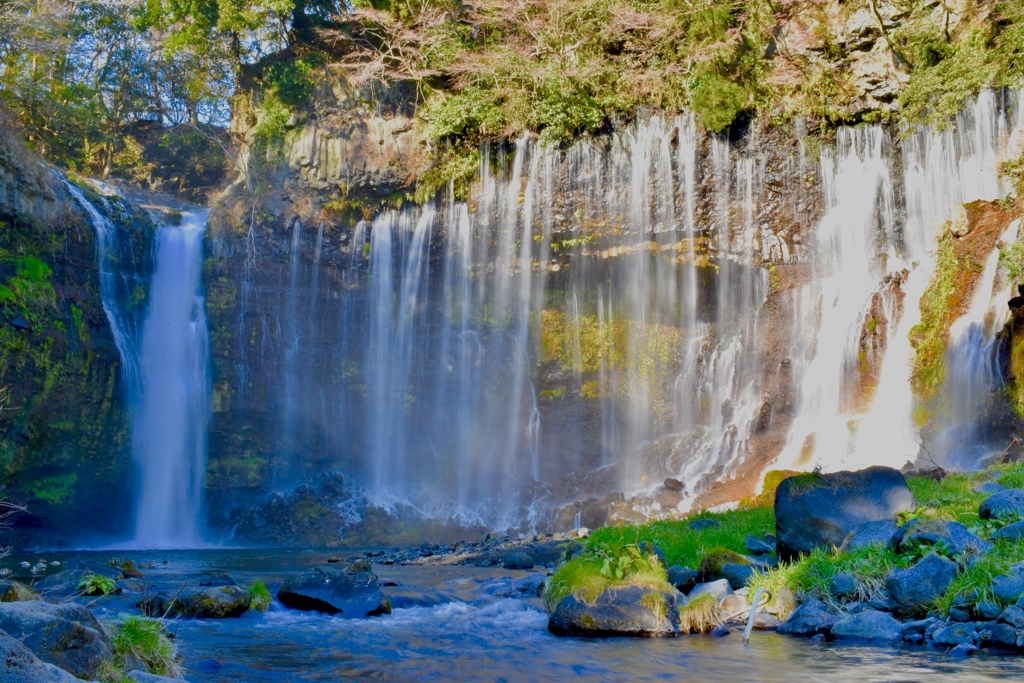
(21, 666)
(1007, 504)
(989, 610)
(702, 523)
(843, 586)
(951, 537)
(66, 635)
(629, 611)
(519, 560)
(683, 578)
(811, 618)
(867, 626)
(821, 510)
(1012, 615)
(719, 589)
(869, 533)
(1010, 532)
(1004, 635)
(213, 603)
(1007, 588)
(738, 575)
(352, 592)
(955, 634)
(756, 545)
(912, 590)
(964, 650)
(990, 487)
(13, 591)
(912, 627)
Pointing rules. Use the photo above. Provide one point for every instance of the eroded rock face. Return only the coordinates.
(352, 592)
(66, 635)
(821, 510)
(630, 611)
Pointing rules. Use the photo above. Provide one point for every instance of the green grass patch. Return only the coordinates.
(974, 582)
(603, 567)
(138, 639)
(811, 576)
(260, 595)
(686, 546)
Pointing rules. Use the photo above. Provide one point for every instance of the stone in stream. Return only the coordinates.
(352, 592)
(868, 626)
(66, 635)
(519, 560)
(20, 665)
(952, 537)
(629, 611)
(809, 619)
(912, 590)
(955, 634)
(820, 510)
(1012, 615)
(1007, 504)
(1006, 636)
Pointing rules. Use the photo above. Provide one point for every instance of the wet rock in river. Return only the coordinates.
(867, 626)
(811, 618)
(629, 611)
(352, 592)
(22, 666)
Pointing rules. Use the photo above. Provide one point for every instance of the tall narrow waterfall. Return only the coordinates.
(172, 408)
(165, 370)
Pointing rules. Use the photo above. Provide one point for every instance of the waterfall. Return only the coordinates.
(165, 367)
(648, 304)
(172, 408)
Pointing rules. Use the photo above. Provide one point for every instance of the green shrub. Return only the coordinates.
(96, 584)
(717, 102)
(686, 546)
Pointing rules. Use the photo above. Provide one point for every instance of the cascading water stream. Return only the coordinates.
(171, 412)
(166, 375)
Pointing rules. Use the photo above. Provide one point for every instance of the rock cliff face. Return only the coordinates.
(64, 432)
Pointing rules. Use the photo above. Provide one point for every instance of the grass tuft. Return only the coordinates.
(260, 595)
(138, 639)
(700, 615)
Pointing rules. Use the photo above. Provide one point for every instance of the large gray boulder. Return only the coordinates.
(952, 538)
(1007, 504)
(352, 592)
(821, 510)
(868, 626)
(810, 619)
(66, 635)
(21, 666)
(912, 590)
(630, 611)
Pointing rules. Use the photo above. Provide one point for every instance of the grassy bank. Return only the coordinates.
(703, 540)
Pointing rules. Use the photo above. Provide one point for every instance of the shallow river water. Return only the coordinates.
(471, 624)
